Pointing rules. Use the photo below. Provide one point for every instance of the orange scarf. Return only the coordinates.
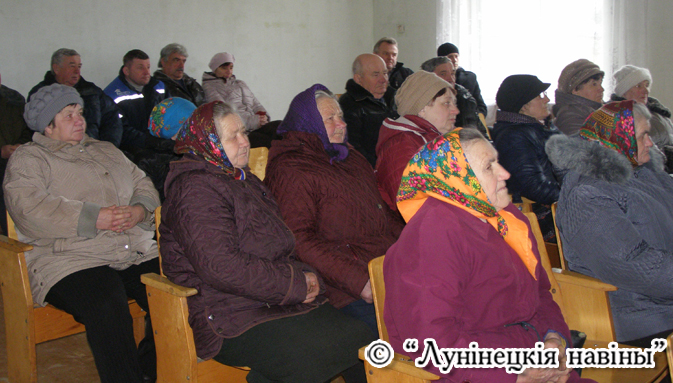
(440, 170)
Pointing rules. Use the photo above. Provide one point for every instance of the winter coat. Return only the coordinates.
(191, 90)
(469, 81)
(13, 128)
(54, 192)
(237, 93)
(226, 238)
(661, 126)
(334, 210)
(469, 114)
(521, 149)
(363, 115)
(100, 112)
(616, 224)
(136, 107)
(399, 140)
(571, 111)
(453, 278)
(397, 76)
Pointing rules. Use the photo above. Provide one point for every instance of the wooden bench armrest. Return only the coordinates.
(573, 278)
(404, 365)
(163, 284)
(14, 245)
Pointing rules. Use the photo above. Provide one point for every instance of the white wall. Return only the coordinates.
(281, 47)
(660, 48)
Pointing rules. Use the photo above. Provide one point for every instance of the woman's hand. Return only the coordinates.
(312, 287)
(366, 293)
(263, 119)
(119, 218)
(544, 375)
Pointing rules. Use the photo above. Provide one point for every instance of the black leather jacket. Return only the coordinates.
(520, 141)
(364, 115)
(191, 90)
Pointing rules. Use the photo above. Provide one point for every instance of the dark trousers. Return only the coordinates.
(263, 136)
(312, 348)
(98, 298)
(363, 311)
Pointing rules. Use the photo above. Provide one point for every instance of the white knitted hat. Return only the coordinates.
(629, 76)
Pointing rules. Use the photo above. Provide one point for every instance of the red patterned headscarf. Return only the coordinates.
(199, 137)
(613, 126)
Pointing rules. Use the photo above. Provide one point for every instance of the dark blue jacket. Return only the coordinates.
(136, 107)
(521, 149)
(102, 115)
(469, 81)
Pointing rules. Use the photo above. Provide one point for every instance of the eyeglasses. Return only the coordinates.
(543, 94)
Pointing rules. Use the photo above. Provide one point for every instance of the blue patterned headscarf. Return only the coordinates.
(199, 137)
(169, 115)
(303, 116)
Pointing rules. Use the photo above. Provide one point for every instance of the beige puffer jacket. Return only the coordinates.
(237, 93)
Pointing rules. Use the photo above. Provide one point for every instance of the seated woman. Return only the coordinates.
(466, 267)
(89, 213)
(222, 85)
(328, 196)
(633, 83)
(222, 233)
(615, 214)
(467, 104)
(520, 134)
(166, 119)
(428, 108)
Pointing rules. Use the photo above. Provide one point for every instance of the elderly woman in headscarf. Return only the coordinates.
(615, 214)
(328, 196)
(222, 233)
(633, 83)
(466, 266)
(88, 212)
(165, 121)
(428, 108)
(520, 134)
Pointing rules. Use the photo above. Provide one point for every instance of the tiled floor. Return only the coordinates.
(65, 360)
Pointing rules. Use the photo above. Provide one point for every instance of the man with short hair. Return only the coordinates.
(463, 77)
(579, 93)
(386, 48)
(103, 121)
(172, 72)
(136, 92)
(367, 102)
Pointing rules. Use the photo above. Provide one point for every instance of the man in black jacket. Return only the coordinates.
(386, 48)
(172, 72)
(102, 116)
(367, 102)
(463, 77)
(136, 92)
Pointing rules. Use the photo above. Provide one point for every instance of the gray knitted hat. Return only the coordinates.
(417, 91)
(629, 76)
(45, 104)
(575, 73)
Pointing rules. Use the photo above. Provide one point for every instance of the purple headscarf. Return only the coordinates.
(303, 116)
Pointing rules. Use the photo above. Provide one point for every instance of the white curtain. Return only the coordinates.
(499, 38)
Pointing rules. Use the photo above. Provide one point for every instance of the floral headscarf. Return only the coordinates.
(199, 137)
(168, 116)
(303, 116)
(440, 170)
(613, 126)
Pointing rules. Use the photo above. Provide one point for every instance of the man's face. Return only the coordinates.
(68, 71)
(388, 52)
(138, 71)
(454, 57)
(374, 77)
(174, 66)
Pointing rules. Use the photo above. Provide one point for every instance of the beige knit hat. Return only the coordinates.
(417, 91)
(629, 76)
(575, 73)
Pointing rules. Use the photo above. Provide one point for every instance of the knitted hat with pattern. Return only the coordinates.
(575, 73)
(45, 104)
(417, 91)
(629, 76)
